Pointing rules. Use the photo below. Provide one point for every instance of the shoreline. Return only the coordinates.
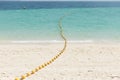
(59, 42)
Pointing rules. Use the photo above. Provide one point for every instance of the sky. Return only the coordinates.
(59, 0)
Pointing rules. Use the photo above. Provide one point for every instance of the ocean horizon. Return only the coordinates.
(37, 22)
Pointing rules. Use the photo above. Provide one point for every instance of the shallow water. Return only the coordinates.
(80, 24)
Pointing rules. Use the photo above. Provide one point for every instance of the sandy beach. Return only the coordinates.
(79, 62)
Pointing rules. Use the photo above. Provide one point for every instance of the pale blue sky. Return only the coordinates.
(59, 0)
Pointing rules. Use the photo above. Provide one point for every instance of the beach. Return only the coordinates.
(80, 61)
(31, 33)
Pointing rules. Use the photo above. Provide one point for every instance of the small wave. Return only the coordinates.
(53, 41)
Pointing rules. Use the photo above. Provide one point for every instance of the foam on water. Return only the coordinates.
(52, 41)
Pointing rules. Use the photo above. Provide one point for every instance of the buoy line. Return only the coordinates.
(23, 77)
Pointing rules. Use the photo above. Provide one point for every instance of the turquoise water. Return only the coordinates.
(81, 24)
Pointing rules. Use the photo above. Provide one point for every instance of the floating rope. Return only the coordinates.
(23, 77)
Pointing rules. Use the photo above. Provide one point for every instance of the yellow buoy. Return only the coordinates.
(23, 76)
(48, 63)
(36, 69)
(33, 71)
(40, 67)
(43, 66)
(17, 79)
(28, 74)
(52, 60)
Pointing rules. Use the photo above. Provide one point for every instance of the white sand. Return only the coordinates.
(79, 62)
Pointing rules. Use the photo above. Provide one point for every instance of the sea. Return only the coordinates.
(37, 21)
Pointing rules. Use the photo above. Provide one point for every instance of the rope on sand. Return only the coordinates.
(23, 77)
